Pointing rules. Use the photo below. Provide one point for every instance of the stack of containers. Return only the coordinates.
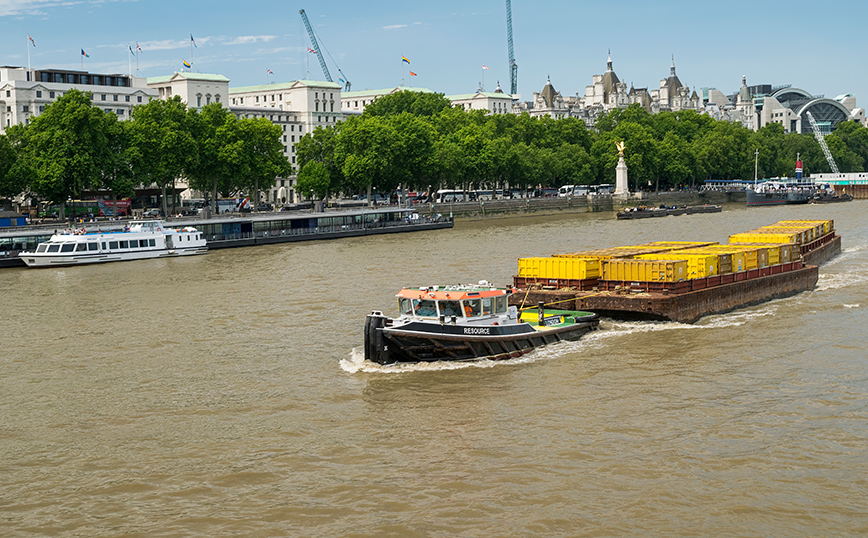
(699, 264)
(645, 270)
(769, 235)
(828, 225)
(573, 268)
(778, 252)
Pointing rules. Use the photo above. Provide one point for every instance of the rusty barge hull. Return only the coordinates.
(685, 303)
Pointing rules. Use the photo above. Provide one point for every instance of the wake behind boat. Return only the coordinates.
(460, 323)
(140, 240)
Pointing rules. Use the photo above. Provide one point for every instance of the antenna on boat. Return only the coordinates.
(755, 166)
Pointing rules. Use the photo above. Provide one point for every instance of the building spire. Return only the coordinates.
(672, 67)
(609, 61)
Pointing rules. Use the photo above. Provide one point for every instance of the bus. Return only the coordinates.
(450, 195)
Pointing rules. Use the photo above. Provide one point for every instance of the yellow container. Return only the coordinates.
(698, 265)
(645, 270)
(737, 263)
(571, 268)
(828, 225)
(812, 231)
(802, 235)
(781, 236)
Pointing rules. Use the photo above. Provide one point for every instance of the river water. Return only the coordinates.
(225, 394)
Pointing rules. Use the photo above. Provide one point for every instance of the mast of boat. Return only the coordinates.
(755, 166)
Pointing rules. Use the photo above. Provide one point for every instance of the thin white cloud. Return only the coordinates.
(398, 26)
(39, 7)
(247, 39)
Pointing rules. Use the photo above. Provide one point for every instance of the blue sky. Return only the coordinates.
(447, 42)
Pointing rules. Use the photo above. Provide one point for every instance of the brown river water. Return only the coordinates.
(225, 395)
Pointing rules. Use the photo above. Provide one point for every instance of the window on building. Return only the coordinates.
(216, 98)
(293, 159)
(115, 97)
(38, 93)
(280, 97)
(25, 108)
(8, 93)
(316, 95)
(198, 100)
(127, 98)
(139, 98)
(41, 108)
(293, 138)
(241, 99)
(317, 106)
(120, 112)
(102, 97)
(207, 99)
(257, 98)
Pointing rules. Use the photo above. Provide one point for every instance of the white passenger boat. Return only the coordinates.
(141, 239)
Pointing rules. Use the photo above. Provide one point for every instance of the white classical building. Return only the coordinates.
(24, 93)
(195, 89)
(297, 107)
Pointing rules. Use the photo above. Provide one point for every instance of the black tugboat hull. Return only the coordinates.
(417, 343)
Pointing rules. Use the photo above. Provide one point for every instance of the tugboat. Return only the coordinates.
(466, 322)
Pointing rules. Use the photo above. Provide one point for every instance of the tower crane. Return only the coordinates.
(513, 67)
(819, 136)
(316, 49)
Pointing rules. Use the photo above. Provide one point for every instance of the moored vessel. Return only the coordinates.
(141, 239)
(466, 322)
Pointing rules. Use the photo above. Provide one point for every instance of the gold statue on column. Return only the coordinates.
(620, 146)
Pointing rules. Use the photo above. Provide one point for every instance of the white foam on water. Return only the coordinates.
(836, 281)
(851, 305)
(356, 363)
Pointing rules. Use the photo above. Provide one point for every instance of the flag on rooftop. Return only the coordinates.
(186, 64)
(193, 41)
(412, 74)
(486, 67)
(131, 50)
(404, 59)
(138, 47)
(310, 50)
(269, 72)
(31, 40)
(83, 53)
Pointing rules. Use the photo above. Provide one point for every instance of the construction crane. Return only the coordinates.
(513, 67)
(822, 142)
(316, 49)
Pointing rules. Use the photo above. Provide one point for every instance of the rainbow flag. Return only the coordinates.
(404, 59)
(186, 64)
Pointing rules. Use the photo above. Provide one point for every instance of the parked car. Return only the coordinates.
(264, 207)
(152, 213)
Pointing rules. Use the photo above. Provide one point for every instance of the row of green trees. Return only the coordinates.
(74, 147)
(417, 140)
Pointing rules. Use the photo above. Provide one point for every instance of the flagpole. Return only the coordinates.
(130, 62)
(402, 72)
(28, 52)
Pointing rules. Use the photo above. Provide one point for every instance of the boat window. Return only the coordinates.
(151, 241)
(81, 246)
(501, 304)
(425, 307)
(405, 306)
(125, 244)
(450, 308)
(67, 247)
(103, 245)
(488, 306)
(53, 248)
(113, 245)
(92, 246)
(473, 308)
(134, 243)
(41, 247)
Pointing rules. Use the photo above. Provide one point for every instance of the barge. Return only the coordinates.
(684, 284)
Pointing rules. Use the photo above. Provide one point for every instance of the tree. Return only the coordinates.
(164, 144)
(314, 176)
(409, 101)
(263, 151)
(68, 147)
(319, 146)
(219, 152)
